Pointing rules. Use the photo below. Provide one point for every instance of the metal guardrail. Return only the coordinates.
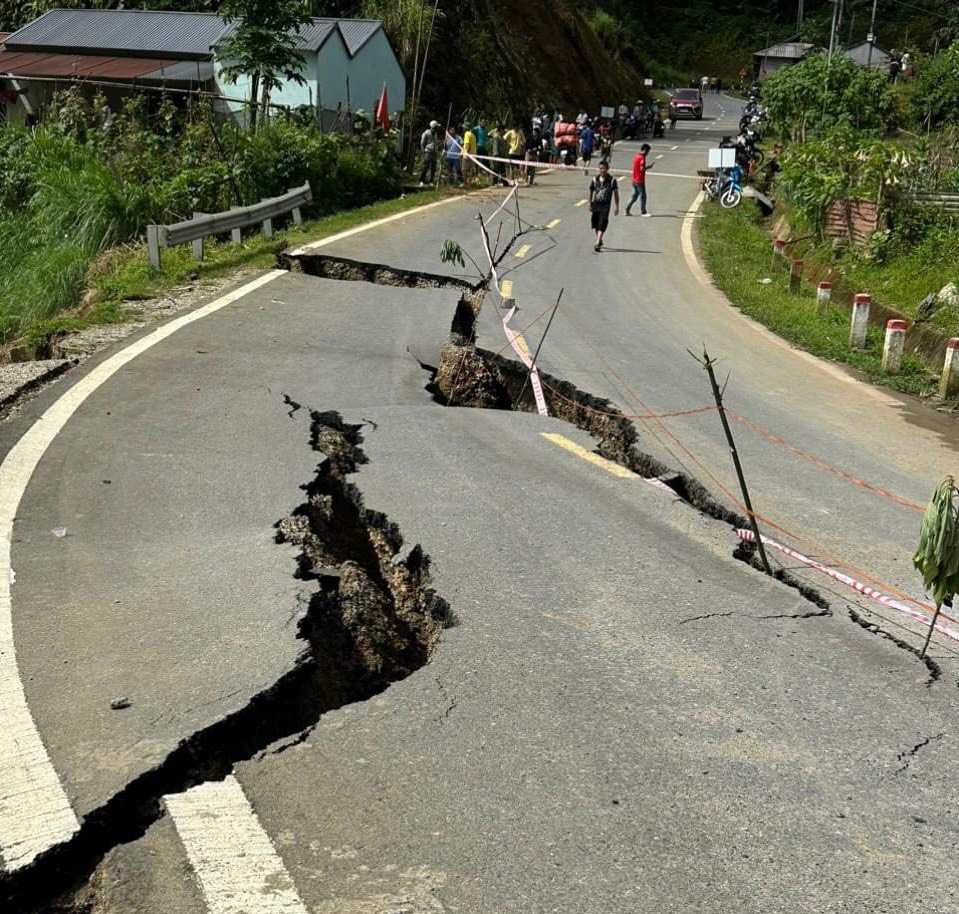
(945, 200)
(202, 225)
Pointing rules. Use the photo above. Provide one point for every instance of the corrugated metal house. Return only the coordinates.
(860, 54)
(769, 60)
(346, 61)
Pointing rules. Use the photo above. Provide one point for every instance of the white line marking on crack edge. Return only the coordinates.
(234, 860)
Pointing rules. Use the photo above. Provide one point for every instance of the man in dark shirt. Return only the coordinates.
(603, 191)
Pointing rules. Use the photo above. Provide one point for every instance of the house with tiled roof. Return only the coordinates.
(346, 62)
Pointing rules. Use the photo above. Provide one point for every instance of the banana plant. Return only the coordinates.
(937, 555)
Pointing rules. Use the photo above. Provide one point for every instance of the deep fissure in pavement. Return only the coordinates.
(474, 377)
(328, 266)
(371, 620)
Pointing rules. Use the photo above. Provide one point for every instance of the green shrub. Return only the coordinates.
(86, 182)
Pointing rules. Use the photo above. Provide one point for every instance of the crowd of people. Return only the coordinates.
(500, 155)
(512, 153)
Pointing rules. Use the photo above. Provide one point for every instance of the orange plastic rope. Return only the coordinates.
(823, 465)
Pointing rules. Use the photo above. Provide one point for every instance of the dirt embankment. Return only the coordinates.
(505, 58)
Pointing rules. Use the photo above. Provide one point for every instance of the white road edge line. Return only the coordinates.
(35, 812)
(313, 245)
(699, 271)
(232, 856)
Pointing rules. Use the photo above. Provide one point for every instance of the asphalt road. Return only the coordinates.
(623, 718)
(630, 314)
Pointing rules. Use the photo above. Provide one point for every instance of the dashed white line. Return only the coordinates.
(234, 860)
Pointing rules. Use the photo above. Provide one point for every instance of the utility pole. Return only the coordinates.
(834, 29)
(871, 37)
(799, 19)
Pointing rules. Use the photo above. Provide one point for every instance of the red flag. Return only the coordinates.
(382, 116)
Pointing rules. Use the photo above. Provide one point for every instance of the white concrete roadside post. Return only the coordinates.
(892, 348)
(949, 382)
(860, 320)
(823, 297)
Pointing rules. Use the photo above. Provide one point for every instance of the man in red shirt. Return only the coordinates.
(639, 180)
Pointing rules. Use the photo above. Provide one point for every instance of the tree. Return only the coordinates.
(937, 555)
(937, 89)
(820, 93)
(263, 45)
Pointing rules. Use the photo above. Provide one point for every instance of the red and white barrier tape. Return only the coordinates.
(865, 589)
(528, 362)
(523, 163)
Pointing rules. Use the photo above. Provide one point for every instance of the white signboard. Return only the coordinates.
(722, 158)
(607, 111)
(647, 82)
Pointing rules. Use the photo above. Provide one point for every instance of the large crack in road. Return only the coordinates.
(373, 619)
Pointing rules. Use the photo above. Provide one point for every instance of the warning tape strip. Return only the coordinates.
(522, 163)
(749, 537)
(528, 362)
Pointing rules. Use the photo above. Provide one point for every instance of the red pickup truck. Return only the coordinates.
(686, 102)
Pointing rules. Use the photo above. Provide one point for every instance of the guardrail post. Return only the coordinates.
(197, 242)
(823, 296)
(860, 320)
(949, 382)
(892, 348)
(267, 228)
(297, 216)
(795, 276)
(236, 235)
(153, 245)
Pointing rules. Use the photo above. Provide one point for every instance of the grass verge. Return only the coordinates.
(737, 253)
(124, 274)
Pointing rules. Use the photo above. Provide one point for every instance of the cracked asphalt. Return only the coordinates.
(623, 718)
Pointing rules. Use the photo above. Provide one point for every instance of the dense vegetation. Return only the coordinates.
(76, 187)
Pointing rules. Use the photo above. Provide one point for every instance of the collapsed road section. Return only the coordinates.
(373, 619)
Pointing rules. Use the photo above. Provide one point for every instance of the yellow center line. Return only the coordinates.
(524, 250)
(522, 345)
(506, 288)
(581, 203)
(674, 147)
(660, 155)
(614, 468)
(554, 223)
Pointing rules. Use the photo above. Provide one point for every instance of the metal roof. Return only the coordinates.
(860, 54)
(173, 34)
(4, 35)
(788, 50)
(312, 36)
(356, 32)
(96, 66)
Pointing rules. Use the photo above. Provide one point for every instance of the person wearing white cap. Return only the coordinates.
(428, 146)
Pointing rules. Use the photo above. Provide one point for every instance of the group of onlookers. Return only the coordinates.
(472, 150)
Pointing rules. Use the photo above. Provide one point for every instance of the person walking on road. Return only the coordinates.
(500, 150)
(586, 140)
(428, 148)
(603, 192)
(516, 142)
(639, 180)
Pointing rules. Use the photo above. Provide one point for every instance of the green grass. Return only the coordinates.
(124, 274)
(903, 281)
(737, 253)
